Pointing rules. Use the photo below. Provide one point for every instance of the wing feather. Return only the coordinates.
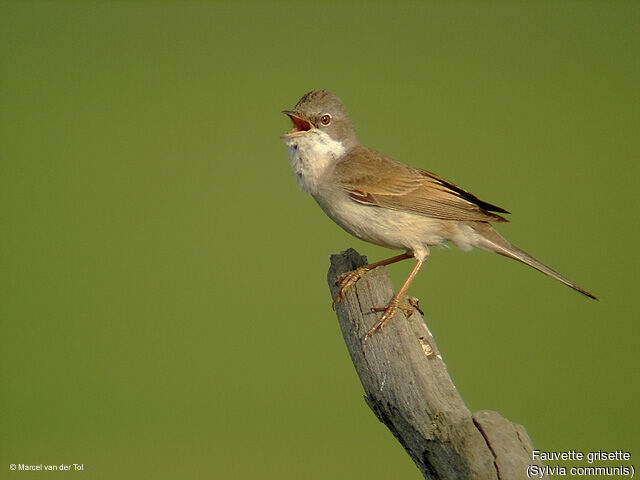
(370, 178)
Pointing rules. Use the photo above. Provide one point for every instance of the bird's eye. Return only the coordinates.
(325, 119)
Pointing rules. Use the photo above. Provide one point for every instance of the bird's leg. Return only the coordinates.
(346, 280)
(394, 304)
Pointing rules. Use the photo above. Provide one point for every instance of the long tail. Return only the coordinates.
(491, 240)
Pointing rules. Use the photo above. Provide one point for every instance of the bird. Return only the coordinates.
(385, 202)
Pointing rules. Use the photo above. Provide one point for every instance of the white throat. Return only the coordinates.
(312, 156)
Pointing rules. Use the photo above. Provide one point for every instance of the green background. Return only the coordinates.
(164, 308)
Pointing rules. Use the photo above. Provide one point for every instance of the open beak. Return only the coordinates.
(300, 125)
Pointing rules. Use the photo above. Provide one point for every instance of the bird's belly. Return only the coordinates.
(387, 228)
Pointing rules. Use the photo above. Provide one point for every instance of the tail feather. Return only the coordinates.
(491, 240)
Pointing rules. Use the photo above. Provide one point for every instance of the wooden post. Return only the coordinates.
(408, 387)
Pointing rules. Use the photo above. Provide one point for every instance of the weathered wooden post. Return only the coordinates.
(408, 387)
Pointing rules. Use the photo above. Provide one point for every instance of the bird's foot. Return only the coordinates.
(346, 281)
(393, 306)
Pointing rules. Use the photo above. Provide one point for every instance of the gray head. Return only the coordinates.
(323, 110)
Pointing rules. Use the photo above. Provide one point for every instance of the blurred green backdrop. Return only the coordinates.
(164, 308)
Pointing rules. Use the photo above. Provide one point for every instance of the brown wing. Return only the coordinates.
(370, 178)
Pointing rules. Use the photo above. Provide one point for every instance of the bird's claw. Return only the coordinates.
(389, 311)
(346, 281)
(415, 303)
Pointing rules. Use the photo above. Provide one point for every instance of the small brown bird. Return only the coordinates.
(385, 202)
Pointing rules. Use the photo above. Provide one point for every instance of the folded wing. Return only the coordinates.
(372, 179)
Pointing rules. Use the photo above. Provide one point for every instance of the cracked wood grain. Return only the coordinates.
(409, 389)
